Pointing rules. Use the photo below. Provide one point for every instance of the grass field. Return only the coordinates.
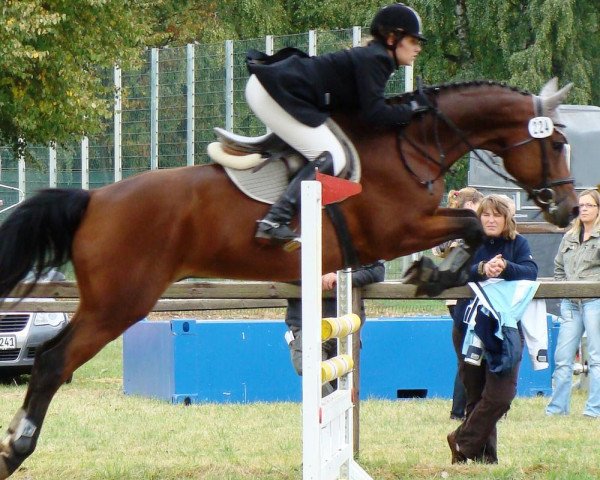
(95, 432)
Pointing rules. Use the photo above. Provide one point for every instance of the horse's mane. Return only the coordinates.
(442, 88)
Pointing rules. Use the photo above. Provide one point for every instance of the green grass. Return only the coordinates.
(93, 431)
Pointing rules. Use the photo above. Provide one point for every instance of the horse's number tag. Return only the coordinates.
(541, 127)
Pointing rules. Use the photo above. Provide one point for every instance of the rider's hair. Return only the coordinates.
(500, 204)
(576, 228)
(458, 198)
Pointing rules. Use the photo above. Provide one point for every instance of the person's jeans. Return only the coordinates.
(576, 317)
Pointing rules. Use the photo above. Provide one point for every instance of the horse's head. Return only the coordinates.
(536, 154)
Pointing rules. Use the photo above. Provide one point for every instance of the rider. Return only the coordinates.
(295, 95)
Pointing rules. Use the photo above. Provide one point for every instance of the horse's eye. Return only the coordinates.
(558, 146)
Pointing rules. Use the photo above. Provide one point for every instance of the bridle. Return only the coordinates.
(544, 194)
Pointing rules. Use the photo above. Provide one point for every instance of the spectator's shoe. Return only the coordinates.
(457, 456)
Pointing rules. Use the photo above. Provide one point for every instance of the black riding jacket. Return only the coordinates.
(310, 88)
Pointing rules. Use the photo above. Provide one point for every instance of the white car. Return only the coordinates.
(22, 333)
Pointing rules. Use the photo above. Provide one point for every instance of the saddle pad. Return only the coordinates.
(265, 186)
(268, 184)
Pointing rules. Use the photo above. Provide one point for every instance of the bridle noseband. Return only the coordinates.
(543, 194)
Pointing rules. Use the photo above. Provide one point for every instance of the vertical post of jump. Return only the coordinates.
(327, 423)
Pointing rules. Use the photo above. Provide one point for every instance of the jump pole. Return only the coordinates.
(327, 423)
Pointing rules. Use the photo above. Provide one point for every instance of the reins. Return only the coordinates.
(544, 193)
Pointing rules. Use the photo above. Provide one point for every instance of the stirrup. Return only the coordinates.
(277, 233)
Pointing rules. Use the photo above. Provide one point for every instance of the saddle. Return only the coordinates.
(261, 167)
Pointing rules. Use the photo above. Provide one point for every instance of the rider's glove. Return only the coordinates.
(419, 104)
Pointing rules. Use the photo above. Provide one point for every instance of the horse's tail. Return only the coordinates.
(38, 235)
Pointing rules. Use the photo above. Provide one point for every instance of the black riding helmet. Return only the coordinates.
(399, 19)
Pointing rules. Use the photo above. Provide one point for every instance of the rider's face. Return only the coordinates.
(407, 50)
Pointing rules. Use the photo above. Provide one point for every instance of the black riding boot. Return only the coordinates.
(275, 227)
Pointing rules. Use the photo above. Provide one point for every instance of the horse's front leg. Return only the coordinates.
(448, 224)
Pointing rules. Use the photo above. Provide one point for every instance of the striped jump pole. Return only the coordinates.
(327, 423)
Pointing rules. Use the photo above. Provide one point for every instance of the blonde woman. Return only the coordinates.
(470, 198)
(504, 254)
(578, 258)
(467, 197)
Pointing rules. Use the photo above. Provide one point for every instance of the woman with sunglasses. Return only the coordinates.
(578, 258)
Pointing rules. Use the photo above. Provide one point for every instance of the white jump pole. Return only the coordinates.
(327, 443)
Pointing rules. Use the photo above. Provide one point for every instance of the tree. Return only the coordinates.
(52, 54)
(521, 42)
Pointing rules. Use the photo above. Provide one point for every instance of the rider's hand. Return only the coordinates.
(419, 104)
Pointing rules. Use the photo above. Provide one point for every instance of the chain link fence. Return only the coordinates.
(164, 114)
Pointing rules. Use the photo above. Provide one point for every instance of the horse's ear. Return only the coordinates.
(550, 88)
(551, 102)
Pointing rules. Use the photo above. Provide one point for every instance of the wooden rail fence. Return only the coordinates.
(220, 295)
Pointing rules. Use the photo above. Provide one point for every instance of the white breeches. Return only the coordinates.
(309, 141)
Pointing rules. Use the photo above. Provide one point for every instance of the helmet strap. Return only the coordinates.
(399, 37)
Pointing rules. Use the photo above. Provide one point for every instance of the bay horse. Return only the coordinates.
(130, 240)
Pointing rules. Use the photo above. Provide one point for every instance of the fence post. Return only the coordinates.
(52, 165)
(269, 45)
(312, 42)
(21, 174)
(190, 106)
(118, 107)
(408, 79)
(229, 85)
(154, 108)
(85, 163)
(356, 36)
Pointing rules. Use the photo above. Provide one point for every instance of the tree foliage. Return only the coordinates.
(51, 55)
(53, 52)
(521, 42)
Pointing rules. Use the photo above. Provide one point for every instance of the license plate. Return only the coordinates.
(8, 341)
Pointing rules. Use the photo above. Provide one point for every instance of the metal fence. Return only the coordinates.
(164, 113)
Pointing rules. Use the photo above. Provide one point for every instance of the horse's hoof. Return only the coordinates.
(4, 449)
(421, 272)
(3, 471)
